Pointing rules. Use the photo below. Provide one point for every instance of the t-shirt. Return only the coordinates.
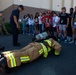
(14, 13)
(40, 19)
(31, 21)
(47, 20)
(74, 18)
(63, 18)
(55, 19)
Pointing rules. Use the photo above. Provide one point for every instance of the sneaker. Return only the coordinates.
(2, 48)
(58, 39)
(71, 42)
(29, 34)
(65, 41)
(18, 44)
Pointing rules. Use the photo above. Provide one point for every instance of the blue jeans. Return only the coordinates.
(40, 28)
(24, 28)
(31, 29)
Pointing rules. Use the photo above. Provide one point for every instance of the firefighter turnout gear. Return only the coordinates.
(31, 52)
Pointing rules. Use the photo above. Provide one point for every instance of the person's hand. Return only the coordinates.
(66, 26)
(71, 25)
(18, 27)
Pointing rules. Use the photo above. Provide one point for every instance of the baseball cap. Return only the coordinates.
(21, 6)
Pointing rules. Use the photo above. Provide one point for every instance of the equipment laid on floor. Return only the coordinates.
(29, 53)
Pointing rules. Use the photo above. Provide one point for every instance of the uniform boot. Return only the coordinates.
(3, 64)
(2, 48)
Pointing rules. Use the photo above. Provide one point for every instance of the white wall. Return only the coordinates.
(57, 5)
(31, 3)
(68, 4)
(46, 4)
(74, 3)
(35, 3)
(0, 5)
(5, 4)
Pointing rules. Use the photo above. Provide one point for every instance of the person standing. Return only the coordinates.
(14, 24)
(2, 27)
(40, 22)
(55, 24)
(47, 20)
(31, 25)
(64, 21)
(69, 29)
(73, 25)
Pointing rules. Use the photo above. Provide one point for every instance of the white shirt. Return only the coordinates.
(55, 19)
(40, 21)
(31, 21)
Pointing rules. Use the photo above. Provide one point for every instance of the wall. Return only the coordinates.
(35, 3)
(5, 4)
(45, 4)
(68, 4)
(74, 3)
(57, 5)
(0, 5)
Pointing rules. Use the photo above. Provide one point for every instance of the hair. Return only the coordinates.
(1, 12)
(63, 8)
(31, 16)
(24, 16)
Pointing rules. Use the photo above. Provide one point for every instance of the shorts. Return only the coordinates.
(62, 27)
(74, 26)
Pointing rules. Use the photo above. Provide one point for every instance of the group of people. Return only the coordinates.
(62, 25)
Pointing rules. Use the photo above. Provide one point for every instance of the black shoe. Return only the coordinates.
(2, 48)
(18, 44)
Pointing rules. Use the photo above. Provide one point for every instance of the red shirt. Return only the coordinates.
(47, 21)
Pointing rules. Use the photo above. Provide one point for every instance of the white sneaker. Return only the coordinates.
(71, 42)
(29, 34)
(65, 41)
(58, 39)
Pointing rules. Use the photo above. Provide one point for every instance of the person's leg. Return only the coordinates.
(5, 29)
(29, 29)
(2, 48)
(1, 32)
(55, 32)
(73, 33)
(23, 28)
(60, 32)
(15, 36)
(65, 33)
(40, 28)
(32, 29)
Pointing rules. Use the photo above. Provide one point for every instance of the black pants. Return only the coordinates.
(15, 34)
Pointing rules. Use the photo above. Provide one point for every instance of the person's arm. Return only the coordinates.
(71, 22)
(67, 20)
(15, 20)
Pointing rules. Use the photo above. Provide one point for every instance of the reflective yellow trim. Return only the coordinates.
(57, 53)
(24, 58)
(49, 42)
(45, 50)
(7, 52)
(41, 51)
(49, 49)
(12, 60)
